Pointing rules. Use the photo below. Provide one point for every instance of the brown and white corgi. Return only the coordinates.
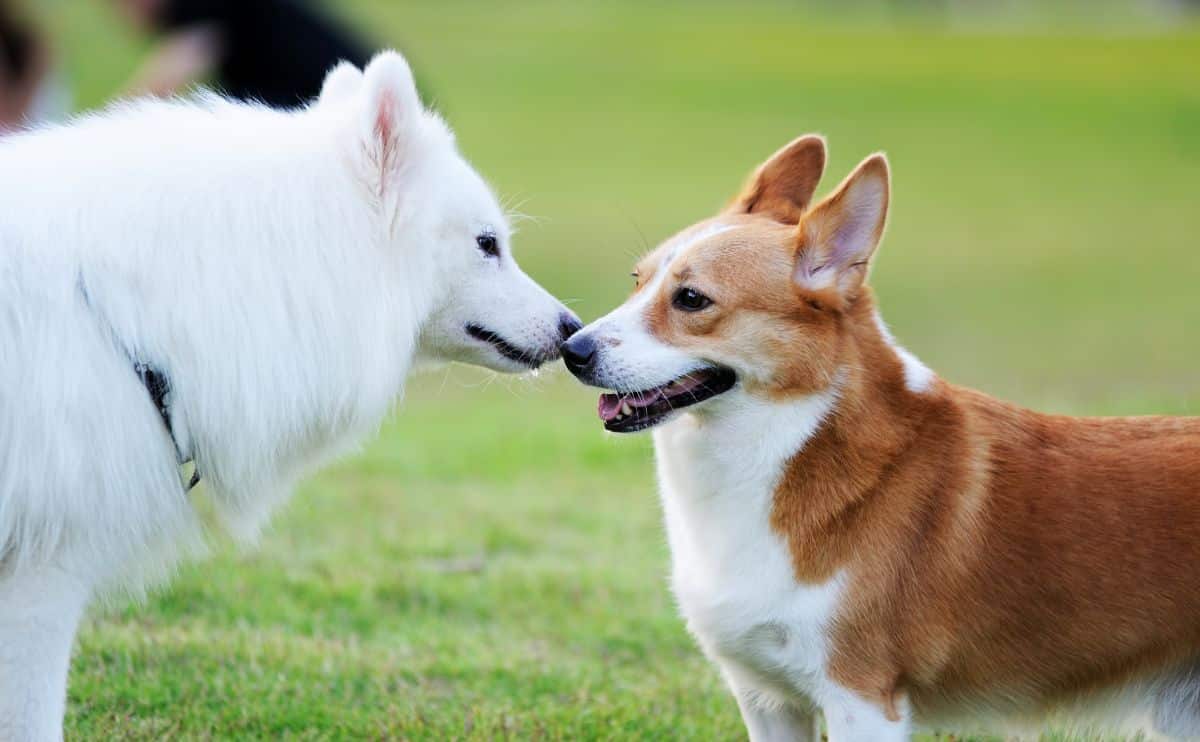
(851, 533)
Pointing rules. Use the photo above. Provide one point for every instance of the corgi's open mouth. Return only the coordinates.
(629, 413)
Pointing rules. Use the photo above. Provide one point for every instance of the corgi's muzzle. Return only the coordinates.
(630, 412)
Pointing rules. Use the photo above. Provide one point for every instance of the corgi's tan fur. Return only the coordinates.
(851, 533)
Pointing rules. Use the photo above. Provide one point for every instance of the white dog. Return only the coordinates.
(229, 285)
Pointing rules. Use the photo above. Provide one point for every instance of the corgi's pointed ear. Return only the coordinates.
(341, 83)
(390, 115)
(783, 186)
(837, 238)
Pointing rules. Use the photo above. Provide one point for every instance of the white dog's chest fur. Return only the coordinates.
(732, 573)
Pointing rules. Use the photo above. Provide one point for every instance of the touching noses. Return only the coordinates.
(579, 352)
(568, 325)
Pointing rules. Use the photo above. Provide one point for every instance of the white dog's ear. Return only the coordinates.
(838, 237)
(390, 116)
(341, 83)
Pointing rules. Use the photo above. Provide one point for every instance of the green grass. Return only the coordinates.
(493, 565)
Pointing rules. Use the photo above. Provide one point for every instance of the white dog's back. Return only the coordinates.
(119, 232)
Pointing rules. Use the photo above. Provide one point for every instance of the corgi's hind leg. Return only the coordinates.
(39, 613)
(1176, 710)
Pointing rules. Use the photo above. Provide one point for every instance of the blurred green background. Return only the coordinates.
(493, 566)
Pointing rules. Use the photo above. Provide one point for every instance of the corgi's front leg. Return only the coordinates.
(851, 718)
(777, 723)
(767, 720)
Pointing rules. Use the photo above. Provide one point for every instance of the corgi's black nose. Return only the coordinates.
(568, 325)
(579, 353)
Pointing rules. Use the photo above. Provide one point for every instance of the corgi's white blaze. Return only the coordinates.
(644, 360)
(733, 578)
(688, 240)
(917, 376)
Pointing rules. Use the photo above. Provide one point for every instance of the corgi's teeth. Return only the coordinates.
(626, 409)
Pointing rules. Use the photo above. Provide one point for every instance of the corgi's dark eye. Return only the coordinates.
(690, 300)
(488, 244)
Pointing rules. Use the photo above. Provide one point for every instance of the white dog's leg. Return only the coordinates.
(39, 613)
(849, 718)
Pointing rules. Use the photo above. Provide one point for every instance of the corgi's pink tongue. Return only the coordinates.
(611, 405)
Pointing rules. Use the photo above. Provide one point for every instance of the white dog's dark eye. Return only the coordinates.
(690, 300)
(488, 243)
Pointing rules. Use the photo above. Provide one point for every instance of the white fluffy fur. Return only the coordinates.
(285, 270)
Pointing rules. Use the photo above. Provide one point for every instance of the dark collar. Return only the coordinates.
(156, 382)
(159, 387)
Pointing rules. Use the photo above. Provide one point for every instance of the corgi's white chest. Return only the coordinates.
(732, 573)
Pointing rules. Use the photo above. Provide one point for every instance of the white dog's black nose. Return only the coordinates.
(568, 325)
(579, 353)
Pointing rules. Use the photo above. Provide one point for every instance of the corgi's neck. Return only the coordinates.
(819, 464)
(893, 417)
